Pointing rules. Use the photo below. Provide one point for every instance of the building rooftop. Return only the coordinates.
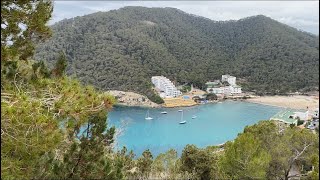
(286, 116)
(212, 83)
(229, 76)
(214, 86)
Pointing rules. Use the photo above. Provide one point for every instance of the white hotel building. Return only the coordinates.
(166, 87)
(233, 88)
(230, 79)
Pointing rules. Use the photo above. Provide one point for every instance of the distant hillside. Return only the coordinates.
(122, 49)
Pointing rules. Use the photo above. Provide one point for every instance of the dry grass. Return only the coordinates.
(178, 102)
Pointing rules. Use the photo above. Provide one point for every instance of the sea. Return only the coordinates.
(215, 123)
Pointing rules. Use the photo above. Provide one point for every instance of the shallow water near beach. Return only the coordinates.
(214, 124)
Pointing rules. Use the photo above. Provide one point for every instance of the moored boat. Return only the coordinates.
(182, 121)
(148, 116)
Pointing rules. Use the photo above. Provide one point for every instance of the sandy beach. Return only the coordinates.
(294, 102)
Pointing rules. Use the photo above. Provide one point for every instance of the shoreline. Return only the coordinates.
(141, 106)
(132, 99)
(297, 102)
(256, 100)
(138, 106)
(278, 106)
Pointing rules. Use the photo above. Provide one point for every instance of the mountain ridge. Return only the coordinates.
(121, 49)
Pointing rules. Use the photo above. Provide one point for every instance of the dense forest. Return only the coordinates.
(53, 127)
(122, 49)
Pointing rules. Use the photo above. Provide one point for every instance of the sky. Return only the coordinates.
(303, 15)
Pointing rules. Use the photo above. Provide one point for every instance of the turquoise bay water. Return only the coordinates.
(215, 124)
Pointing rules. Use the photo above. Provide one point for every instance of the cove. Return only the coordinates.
(214, 124)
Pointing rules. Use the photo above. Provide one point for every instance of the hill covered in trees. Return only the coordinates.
(43, 112)
(122, 49)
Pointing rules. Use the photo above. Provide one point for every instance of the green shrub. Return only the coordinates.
(155, 98)
(300, 122)
(211, 96)
(292, 125)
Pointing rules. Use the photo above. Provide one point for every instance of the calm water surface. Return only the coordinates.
(215, 124)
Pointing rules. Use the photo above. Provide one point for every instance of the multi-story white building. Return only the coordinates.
(235, 89)
(227, 90)
(166, 87)
(216, 88)
(230, 79)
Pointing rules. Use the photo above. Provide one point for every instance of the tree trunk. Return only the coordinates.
(286, 177)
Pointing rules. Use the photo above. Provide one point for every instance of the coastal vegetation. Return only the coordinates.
(211, 96)
(185, 88)
(122, 49)
(54, 127)
(42, 110)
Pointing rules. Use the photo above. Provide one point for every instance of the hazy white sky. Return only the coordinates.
(303, 15)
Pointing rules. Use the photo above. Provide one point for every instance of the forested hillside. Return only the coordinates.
(122, 49)
(52, 127)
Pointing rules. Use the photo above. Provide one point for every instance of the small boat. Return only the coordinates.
(147, 116)
(164, 112)
(193, 117)
(180, 110)
(182, 121)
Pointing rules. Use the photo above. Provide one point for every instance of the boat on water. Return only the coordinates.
(193, 117)
(180, 110)
(182, 121)
(164, 112)
(148, 116)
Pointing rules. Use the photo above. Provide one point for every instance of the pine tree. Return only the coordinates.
(89, 156)
(60, 66)
(22, 24)
(144, 163)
